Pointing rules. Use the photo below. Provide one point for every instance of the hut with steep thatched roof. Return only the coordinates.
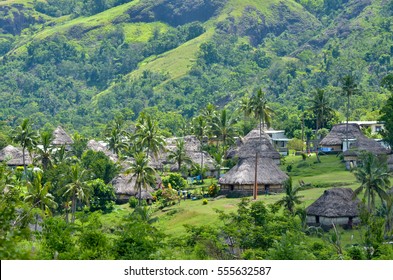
(241, 178)
(336, 205)
(192, 148)
(13, 156)
(252, 143)
(60, 138)
(100, 146)
(358, 142)
(125, 187)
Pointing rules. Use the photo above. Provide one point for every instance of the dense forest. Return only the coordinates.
(81, 63)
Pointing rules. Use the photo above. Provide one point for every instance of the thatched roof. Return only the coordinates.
(125, 185)
(192, 147)
(252, 143)
(14, 156)
(145, 195)
(334, 203)
(244, 173)
(100, 146)
(362, 143)
(60, 137)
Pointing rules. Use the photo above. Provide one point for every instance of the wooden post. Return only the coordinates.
(255, 191)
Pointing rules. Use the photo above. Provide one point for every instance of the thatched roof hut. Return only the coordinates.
(125, 187)
(60, 137)
(360, 142)
(336, 205)
(192, 147)
(252, 143)
(241, 177)
(100, 146)
(14, 156)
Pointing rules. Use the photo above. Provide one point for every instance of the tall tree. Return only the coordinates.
(200, 128)
(78, 188)
(147, 135)
(258, 106)
(116, 135)
(179, 154)
(291, 197)
(373, 174)
(349, 88)
(144, 174)
(224, 129)
(26, 137)
(321, 109)
(38, 195)
(387, 111)
(45, 149)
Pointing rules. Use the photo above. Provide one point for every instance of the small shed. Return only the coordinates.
(336, 206)
(100, 146)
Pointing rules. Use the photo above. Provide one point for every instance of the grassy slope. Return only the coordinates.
(331, 171)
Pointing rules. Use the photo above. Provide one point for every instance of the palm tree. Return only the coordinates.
(200, 128)
(116, 135)
(349, 88)
(180, 155)
(291, 198)
(26, 137)
(259, 108)
(78, 188)
(223, 127)
(147, 135)
(321, 109)
(45, 149)
(373, 174)
(143, 173)
(38, 195)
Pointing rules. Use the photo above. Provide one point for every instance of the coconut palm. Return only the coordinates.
(224, 129)
(45, 149)
(78, 188)
(116, 135)
(373, 174)
(148, 136)
(143, 173)
(258, 106)
(349, 88)
(291, 198)
(200, 129)
(26, 137)
(321, 109)
(38, 195)
(179, 154)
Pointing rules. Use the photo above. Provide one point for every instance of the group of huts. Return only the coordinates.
(257, 165)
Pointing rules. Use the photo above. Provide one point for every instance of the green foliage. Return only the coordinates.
(57, 240)
(100, 165)
(133, 202)
(204, 201)
(102, 197)
(175, 180)
(296, 144)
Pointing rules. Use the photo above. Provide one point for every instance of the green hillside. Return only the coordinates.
(82, 62)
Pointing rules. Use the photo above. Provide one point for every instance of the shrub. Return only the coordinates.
(213, 190)
(204, 201)
(133, 202)
(175, 180)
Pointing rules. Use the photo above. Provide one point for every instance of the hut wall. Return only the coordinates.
(334, 147)
(248, 189)
(311, 220)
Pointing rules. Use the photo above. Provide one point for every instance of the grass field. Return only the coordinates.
(328, 173)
